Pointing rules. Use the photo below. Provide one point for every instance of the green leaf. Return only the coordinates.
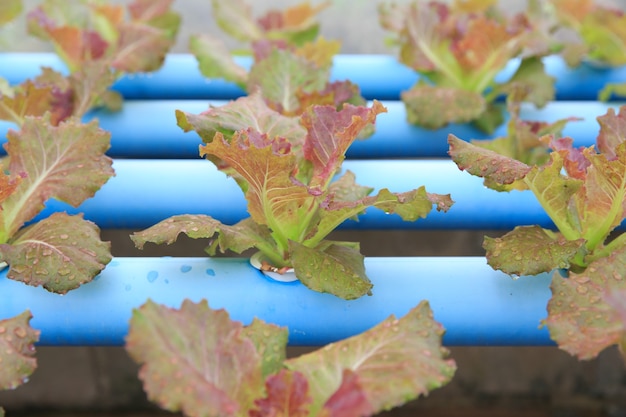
(270, 342)
(9, 10)
(239, 237)
(434, 107)
(532, 83)
(17, 350)
(215, 61)
(246, 112)
(235, 18)
(331, 268)
(530, 250)
(612, 89)
(394, 362)
(59, 253)
(287, 395)
(282, 76)
(345, 189)
(65, 162)
(554, 192)
(586, 314)
(485, 163)
(195, 360)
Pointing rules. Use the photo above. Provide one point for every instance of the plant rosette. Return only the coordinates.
(583, 191)
(287, 168)
(458, 49)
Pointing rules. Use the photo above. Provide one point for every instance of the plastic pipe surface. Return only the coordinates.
(144, 192)
(148, 129)
(476, 305)
(379, 76)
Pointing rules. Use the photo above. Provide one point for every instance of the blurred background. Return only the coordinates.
(490, 381)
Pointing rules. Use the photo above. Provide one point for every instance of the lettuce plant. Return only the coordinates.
(583, 191)
(458, 50)
(55, 155)
(291, 64)
(594, 33)
(286, 168)
(198, 361)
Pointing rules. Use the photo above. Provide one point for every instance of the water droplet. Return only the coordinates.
(20, 332)
(64, 272)
(210, 272)
(581, 289)
(64, 236)
(185, 268)
(46, 252)
(41, 271)
(152, 276)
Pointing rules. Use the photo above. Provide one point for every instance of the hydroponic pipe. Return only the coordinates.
(144, 192)
(148, 129)
(380, 77)
(476, 305)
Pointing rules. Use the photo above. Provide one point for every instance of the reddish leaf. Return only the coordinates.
(612, 131)
(582, 314)
(195, 359)
(349, 400)
(287, 395)
(330, 133)
(66, 162)
(395, 362)
(17, 352)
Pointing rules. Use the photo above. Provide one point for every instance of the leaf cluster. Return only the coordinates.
(197, 360)
(583, 191)
(291, 64)
(287, 169)
(458, 49)
(53, 154)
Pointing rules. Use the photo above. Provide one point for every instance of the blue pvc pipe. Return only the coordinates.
(144, 192)
(148, 129)
(379, 76)
(477, 305)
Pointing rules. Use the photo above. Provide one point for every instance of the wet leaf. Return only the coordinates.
(396, 361)
(17, 350)
(270, 342)
(65, 162)
(485, 163)
(530, 250)
(195, 359)
(585, 314)
(59, 253)
(331, 268)
(239, 237)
